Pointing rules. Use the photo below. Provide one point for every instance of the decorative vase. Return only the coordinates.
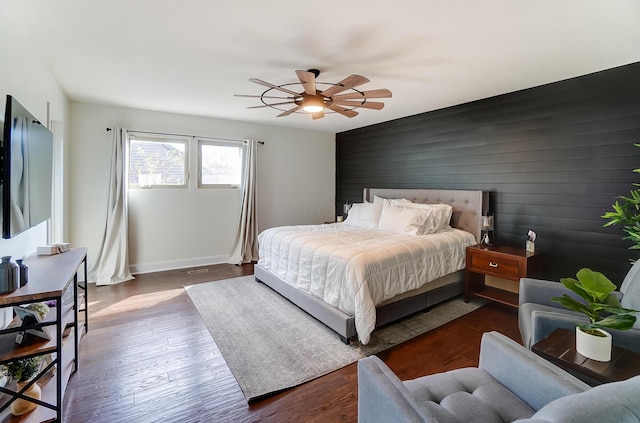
(24, 272)
(21, 406)
(6, 275)
(593, 346)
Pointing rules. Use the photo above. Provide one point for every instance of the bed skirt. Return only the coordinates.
(343, 324)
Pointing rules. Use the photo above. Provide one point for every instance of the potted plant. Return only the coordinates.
(22, 371)
(601, 307)
(41, 308)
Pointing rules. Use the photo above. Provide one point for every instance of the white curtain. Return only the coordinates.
(246, 248)
(111, 264)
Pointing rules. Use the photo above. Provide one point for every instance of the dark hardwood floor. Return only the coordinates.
(148, 357)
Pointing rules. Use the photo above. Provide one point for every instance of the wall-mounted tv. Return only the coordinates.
(26, 173)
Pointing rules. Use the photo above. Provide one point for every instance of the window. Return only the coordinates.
(220, 163)
(157, 161)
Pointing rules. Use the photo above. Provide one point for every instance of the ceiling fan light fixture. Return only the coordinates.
(313, 109)
(313, 105)
(341, 97)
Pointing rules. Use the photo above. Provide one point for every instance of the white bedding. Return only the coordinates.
(354, 269)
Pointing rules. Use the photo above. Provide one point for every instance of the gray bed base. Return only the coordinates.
(468, 207)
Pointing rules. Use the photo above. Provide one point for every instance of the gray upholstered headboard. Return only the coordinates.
(468, 206)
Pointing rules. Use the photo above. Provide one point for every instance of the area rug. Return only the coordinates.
(270, 344)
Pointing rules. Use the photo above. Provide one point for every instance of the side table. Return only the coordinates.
(559, 348)
(507, 263)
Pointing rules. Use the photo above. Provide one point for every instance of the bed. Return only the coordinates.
(299, 280)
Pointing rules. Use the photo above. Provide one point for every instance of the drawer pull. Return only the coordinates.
(492, 264)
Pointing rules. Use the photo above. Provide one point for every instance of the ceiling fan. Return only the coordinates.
(318, 98)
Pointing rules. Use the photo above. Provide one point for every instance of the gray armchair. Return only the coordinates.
(510, 383)
(538, 316)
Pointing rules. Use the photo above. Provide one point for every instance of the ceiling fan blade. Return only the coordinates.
(272, 104)
(345, 112)
(308, 80)
(288, 112)
(275, 87)
(345, 84)
(263, 96)
(318, 115)
(365, 104)
(381, 93)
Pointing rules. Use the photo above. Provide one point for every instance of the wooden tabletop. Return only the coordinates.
(560, 349)
(49, 276)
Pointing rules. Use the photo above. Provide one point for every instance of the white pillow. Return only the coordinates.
(402, 220)
(445, 211)
(364, 215)
(438, 219)
(380, 200)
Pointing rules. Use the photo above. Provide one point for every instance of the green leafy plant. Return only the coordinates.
(23, 369)
(626, 211)
(601, 307)
(41, 308)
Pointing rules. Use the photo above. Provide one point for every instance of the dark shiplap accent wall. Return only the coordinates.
(554, 158)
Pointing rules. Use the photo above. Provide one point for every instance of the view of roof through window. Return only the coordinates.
(156, 162)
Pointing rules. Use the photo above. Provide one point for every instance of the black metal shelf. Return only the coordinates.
(51, 278)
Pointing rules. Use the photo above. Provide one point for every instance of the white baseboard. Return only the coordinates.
(160, 266)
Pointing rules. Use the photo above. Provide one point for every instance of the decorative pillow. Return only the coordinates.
(444, 213)
(438, 219)
(364, 215)
(402, 220)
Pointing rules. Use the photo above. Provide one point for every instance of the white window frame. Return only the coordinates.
(160, 138)
(220, 143)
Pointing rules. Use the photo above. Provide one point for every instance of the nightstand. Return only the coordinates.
(505, 264)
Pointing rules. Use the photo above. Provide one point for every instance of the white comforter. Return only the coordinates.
(354, 269)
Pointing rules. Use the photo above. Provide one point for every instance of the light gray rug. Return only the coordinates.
(271, 345)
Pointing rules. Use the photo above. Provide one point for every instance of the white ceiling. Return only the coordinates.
(192, 56)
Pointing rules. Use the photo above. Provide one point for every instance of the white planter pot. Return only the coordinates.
(594, 347)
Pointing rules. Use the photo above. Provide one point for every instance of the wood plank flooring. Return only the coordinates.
(148, 357)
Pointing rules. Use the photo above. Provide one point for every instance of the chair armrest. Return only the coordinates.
(609, 402)
(544, 322)
(383, 398)
(628, 339)
(539, 291)
(533, 379)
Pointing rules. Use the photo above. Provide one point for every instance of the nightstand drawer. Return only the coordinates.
(498, 266)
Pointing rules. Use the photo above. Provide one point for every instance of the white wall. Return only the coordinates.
(176, 228)
(23, 76)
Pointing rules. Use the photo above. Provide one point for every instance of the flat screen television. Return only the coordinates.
(26, 173)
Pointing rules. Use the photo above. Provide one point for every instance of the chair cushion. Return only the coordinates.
(468, 395)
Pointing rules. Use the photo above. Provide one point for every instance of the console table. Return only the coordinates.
(51, 278)
(560, 349)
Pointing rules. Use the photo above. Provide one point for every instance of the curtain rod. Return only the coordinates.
(183, 135)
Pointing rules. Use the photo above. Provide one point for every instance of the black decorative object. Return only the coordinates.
(24, 272)
(5, 269)
(8, 275)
